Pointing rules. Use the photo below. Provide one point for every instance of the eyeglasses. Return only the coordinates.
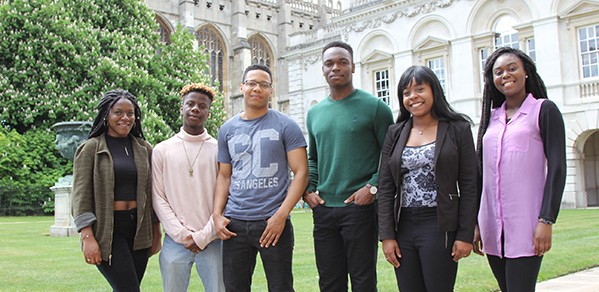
(253, 84)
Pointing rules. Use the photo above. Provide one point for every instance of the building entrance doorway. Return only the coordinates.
(591, 169)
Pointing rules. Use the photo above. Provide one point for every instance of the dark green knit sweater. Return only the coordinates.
(345, 140)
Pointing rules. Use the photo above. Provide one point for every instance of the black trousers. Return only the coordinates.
(126, 267)
(239, 257)
(345, 241)
(517, 274)
(426, 263)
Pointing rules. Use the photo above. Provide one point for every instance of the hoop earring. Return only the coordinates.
(105, 123)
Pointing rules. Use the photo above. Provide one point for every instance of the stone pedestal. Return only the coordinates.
(63, 221)
(69, 135)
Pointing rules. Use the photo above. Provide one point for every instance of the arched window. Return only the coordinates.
(505, 34)
(163, 30)
(261, 53)
(213, 45)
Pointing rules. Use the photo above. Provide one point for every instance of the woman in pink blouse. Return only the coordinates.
(521, 151)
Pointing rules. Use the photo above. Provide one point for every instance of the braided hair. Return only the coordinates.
(492, 98)
(106, 103)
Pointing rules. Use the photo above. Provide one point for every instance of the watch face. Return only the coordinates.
(373, 190)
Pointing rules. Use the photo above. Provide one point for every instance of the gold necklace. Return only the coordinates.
(422, 131)
(190, 164)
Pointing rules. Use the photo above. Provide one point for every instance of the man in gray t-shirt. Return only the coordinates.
(254, 191)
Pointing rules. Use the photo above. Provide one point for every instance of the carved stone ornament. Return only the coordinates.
(69, 135)
(403, 12)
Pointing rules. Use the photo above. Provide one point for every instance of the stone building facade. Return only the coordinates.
(453, 37)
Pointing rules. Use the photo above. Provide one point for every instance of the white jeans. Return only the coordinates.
(176, 261)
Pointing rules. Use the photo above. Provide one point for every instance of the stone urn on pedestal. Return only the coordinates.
(69, 135)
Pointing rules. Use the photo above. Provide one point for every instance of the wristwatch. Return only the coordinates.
(373, 189)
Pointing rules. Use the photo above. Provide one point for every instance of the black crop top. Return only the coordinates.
(125, 172)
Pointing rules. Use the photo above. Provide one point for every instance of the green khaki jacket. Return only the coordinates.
(92, 199)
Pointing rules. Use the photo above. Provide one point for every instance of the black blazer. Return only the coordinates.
(455, 166)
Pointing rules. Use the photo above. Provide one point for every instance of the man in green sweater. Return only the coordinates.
(346, 131)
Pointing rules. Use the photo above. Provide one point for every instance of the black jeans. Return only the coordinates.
(517, 274)
(126, 267)
(345, 241)
(426, 263)
(239, 257)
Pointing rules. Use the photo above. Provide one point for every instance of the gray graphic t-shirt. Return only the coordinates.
(257, 151)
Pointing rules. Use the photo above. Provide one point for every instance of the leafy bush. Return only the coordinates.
(29, 165)
(58, 57)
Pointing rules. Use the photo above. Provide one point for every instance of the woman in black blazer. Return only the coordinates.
(427, 186)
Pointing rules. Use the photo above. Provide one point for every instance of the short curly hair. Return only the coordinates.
(197, 87)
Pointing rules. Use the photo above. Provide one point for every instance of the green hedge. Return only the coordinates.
(26, 200)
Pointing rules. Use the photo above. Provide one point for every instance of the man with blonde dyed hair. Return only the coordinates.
(184, 171)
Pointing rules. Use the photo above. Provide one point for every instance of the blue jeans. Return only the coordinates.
(345, 241)
(176, 261)
(239, 257)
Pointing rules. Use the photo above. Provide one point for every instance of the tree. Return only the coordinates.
(58, 57)
(179, 64)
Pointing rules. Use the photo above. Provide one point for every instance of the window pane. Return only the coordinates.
(438, 66)
(586, 72)
(533, 56)
(589, 39)
(530, 49)
(531, 44)
(381, 85)
(583, 47)
(582, 33)
(213, 46)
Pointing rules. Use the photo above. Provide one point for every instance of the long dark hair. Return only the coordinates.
(492, 98)
(441, 109)
(108, 100)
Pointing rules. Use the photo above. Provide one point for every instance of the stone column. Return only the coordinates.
(242, 54)
(187, 13)
(285, 28)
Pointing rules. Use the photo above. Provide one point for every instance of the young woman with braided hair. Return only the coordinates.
(522, 158)
(112, 193)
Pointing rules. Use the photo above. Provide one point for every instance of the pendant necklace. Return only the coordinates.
(118, 141)
(424, 129)
(191, 164)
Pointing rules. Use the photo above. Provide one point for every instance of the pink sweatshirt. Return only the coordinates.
(184, 203)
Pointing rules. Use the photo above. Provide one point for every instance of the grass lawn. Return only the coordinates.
(31, 260)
